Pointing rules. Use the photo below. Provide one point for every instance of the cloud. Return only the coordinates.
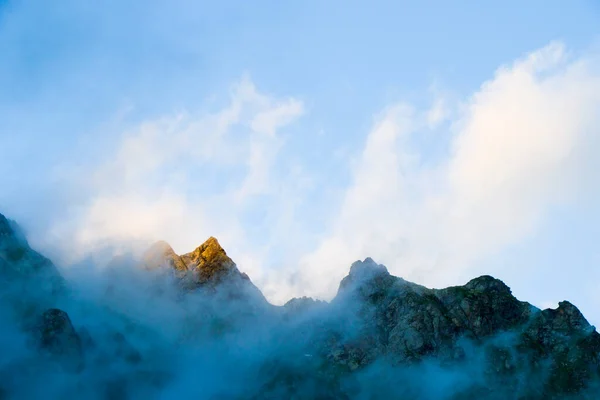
(182, 177)
(441, 107)
(520, 146)
(438, 113)
(435, 209)
(269, 121)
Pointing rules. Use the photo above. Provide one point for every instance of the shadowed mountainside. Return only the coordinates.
(381, 337)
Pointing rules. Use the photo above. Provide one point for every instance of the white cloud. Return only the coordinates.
(270, 120)
(520, 146)
(265, 146)
(438, 113)
(440, 110)
(442, 106)
(171, 178)
(523, 143)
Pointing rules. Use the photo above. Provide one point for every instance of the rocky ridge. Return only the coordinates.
(20, 263)
(207, 264)
(207, 267)
(378, 329)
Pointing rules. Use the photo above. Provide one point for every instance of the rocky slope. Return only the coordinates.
(207, 268)
(20, 263)
(381, 337)
(510, 348)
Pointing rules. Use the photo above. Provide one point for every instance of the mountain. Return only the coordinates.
(194, 326)
(29, 281)
(208, 267)
(536, 353)
(18, 261)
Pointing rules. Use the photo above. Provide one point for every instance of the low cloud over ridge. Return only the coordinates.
(519, 146)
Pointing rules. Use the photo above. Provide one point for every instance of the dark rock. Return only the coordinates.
(555, 352)
(302, 304)
(56, 337)
(379, 330)
(6, 228)
(22, 265)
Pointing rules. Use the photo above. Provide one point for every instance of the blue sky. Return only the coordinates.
(444, 140)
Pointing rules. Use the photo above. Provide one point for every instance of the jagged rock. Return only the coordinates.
(19, 262)
(484, 306)
(379, 330)
(210, 263)
(567, 319)
(565, 340)
(207, 267)
(29, 282)
(408, 323)
(299, 305)
(56, 337)
(5, 226)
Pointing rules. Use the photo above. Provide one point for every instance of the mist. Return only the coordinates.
(140, 326)
(450, 149)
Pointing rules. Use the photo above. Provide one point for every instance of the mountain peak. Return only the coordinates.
(367, 269)
(5, 226)
(488, 283)
(18, 260)
(162, 254)
(209, 261)
(208, 251)
(367, 275)
(567, 318)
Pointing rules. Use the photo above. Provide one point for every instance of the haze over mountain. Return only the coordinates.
(450, 147)
(195, 326)
(444, 140)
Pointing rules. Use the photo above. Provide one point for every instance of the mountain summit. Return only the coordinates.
(206, 267)
(210, 263)
(21, 265)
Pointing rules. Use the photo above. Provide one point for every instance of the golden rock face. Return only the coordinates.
(209, 262)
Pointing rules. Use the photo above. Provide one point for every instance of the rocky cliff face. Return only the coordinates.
(521, 349)
(381, 337)
(18, 262)
(28, 281)
(207, 264)
(208, 268)
(56, 337)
